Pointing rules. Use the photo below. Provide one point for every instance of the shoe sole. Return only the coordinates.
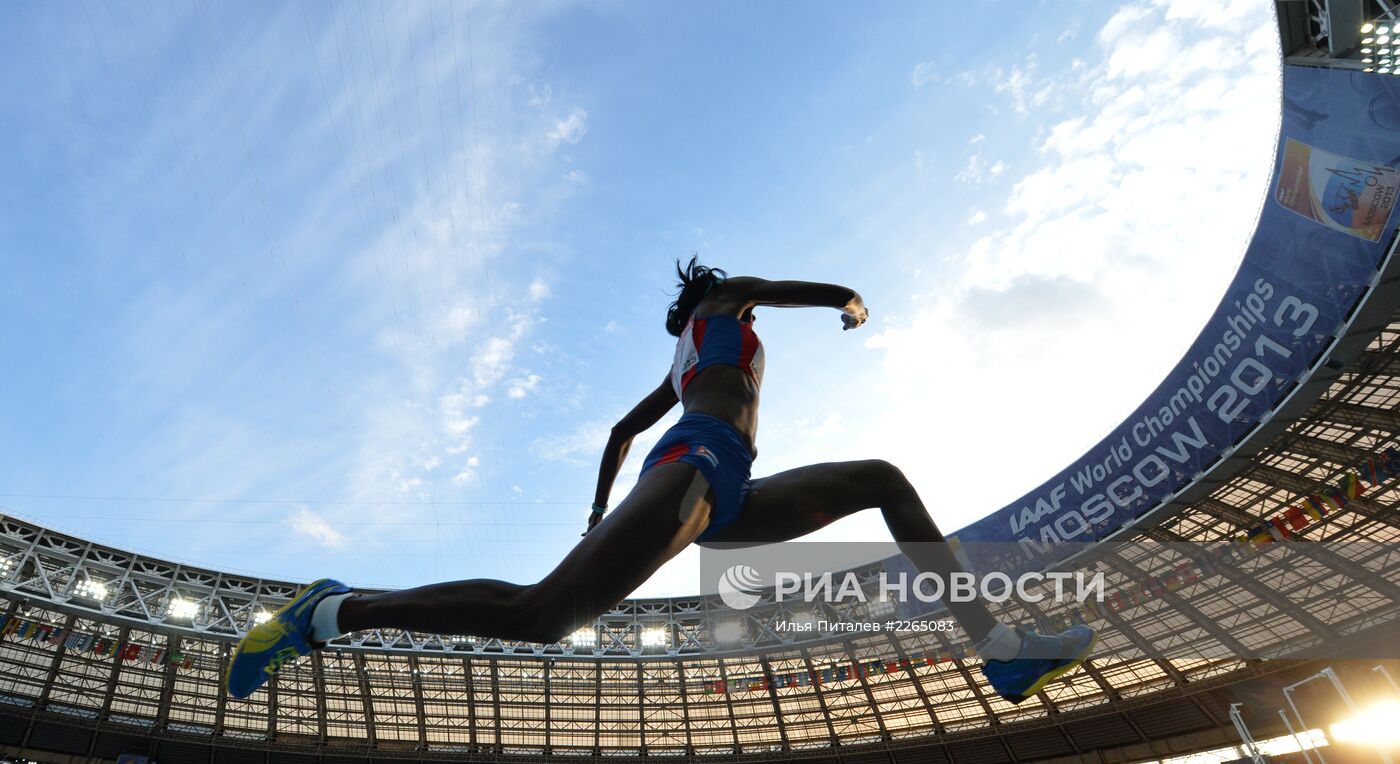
(1061, 671)
(228, 673)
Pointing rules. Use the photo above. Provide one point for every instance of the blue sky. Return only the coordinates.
(356, 289)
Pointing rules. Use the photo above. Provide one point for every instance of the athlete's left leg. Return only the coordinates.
(667, 509)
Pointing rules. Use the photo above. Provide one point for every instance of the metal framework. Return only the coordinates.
(389, 690)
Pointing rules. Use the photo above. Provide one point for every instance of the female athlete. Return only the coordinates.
(694, 487)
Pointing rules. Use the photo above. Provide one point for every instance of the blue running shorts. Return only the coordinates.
(720, 452)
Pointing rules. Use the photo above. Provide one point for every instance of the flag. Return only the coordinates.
(1310, 509)
(1351, 486)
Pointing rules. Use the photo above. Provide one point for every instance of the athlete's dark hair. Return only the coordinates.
(696, 281)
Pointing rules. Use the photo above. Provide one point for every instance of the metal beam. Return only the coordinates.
(167, 690)
(729, 703)
(418, 701)
(272, 707)
(122, 635)
(1356, 415)
(773, 697)
(685, 709)
(939, 731)
(471, 704)
(57, 661)
(366, 699)
(869, 694)
(817, 690)
(318, 677)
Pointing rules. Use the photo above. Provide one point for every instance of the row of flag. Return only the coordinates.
(836, 672)
(81, 642)
(1333, 498)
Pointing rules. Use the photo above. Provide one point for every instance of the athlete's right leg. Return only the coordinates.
(794, 503)
(799, 501)
(663, 514)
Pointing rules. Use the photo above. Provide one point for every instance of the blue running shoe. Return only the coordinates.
(1042, 659)
(277, 641)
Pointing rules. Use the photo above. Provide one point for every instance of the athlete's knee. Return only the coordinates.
(540, 619)
(881, 472)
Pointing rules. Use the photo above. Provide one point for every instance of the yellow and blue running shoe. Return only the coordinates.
(277, 641)
(1043, 658)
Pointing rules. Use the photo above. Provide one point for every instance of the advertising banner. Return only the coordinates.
(1324, 230)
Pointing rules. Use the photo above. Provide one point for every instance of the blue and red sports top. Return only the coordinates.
(716, 341)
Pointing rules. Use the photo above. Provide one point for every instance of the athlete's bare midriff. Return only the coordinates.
(726, 393)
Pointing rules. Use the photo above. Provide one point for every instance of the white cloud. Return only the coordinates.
(571, 129)
(315, 527)
(977, 217)
(584, 446)
(1021, 84)
(1109, 256)
(539, 290)
(466, 475)
(1123, 22)
(978, 170)
(492, 360)
(923, 74)
(523, 386)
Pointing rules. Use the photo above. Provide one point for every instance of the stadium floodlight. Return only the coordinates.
(585, 637)
(653, 637)
(1367, 40)
(729, 632)
(7, 564)
(1373, 726)
(261, 616)
(92, 589)
(1367, 27)
(183, 608)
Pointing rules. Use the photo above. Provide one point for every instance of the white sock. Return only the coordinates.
(325, 623)
(1002, 643)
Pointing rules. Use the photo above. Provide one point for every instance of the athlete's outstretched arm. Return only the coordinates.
(642, 416)
(754, 291)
